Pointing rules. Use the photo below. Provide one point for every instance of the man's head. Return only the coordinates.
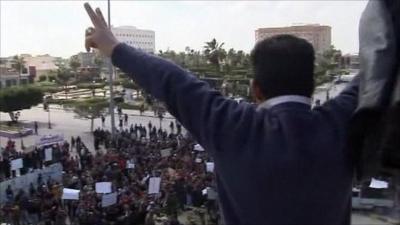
(283, 65)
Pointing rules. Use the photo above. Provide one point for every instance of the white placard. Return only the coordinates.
(204, 191)
(198, 148)
(103, 187)
(211, 194)
(130, 164)
(210, 167)
(154, 185)
(378, 184)
(16, 164)
(109, 199)
(48, 154)
(70, 194)
(165, 152)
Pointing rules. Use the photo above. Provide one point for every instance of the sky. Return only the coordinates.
(57, 27)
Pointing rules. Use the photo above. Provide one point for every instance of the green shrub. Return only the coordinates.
(42, 78)
(51, 77)
(90, 85)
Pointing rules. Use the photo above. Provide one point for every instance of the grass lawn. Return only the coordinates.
(4, 126)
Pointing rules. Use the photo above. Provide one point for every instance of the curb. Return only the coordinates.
(385, 219)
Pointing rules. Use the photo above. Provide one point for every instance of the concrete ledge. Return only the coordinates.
(15, 134)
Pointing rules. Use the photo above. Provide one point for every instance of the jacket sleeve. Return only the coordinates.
(344, 105)
(211, 118)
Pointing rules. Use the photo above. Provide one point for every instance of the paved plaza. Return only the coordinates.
(66, 123)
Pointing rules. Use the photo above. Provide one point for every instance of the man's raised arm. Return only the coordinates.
(203, 111)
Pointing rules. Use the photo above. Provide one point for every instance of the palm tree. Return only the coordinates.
(74, 63)
(98, 61)
(189, 56)
(18, 63)
(214, 53)
(232, 57)
(182, 58)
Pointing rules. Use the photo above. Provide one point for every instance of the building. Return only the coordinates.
(350, 61)
(10, 77)
(44, 64)
(319, 36)
(142, 39)
(86, 59)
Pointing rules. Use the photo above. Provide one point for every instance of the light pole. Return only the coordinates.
(46, 107)
(48, 117)
(18, 114)
(110, 80)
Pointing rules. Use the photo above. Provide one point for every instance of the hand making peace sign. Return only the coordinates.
(99, 37)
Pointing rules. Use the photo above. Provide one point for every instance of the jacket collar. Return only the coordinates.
(284, 99)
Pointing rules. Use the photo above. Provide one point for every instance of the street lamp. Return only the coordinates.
(111, 73)
(93, 88)
(47, 108)
(17, 115)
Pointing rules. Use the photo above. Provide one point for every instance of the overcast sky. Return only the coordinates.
(57, 27)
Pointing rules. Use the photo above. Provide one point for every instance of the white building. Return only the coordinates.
(142, 39)
(43, 63)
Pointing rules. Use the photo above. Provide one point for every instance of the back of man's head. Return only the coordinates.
(284, 65)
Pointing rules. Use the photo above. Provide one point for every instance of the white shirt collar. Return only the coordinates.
(283, 99)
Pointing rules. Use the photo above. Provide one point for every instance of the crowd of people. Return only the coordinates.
(128, 160)
(33, 159)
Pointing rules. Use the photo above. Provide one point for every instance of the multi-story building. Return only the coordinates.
(10, 77)
(43, 63)
(138, 38)
(350, 61)
(319, 36)
(86, 59)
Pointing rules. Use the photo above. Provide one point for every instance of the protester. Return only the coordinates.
(36, 127)
(103, 120)
(278, 162)
(82, 167)
(126, 118)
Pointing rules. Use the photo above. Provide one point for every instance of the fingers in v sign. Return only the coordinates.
(94, 17)
(99, 37)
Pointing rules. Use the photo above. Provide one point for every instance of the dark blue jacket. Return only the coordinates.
(283, 165)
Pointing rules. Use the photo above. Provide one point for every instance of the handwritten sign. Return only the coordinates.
(70, 194)
(165, 152)
(154, 185)
(378, 184)
(210, 167)
(109, 199)
(48, 154)
(16, 164)
(103, 187)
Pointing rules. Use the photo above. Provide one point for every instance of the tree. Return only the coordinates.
(63, 75)
(18, 98)
(74, 63)
(215, 53)
(327, 62)
(231, 57)
(90, 109)
(18, 63)
(42, 78)
(98, 61)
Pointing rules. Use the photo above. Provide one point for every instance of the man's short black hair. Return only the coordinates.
(284, 65)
